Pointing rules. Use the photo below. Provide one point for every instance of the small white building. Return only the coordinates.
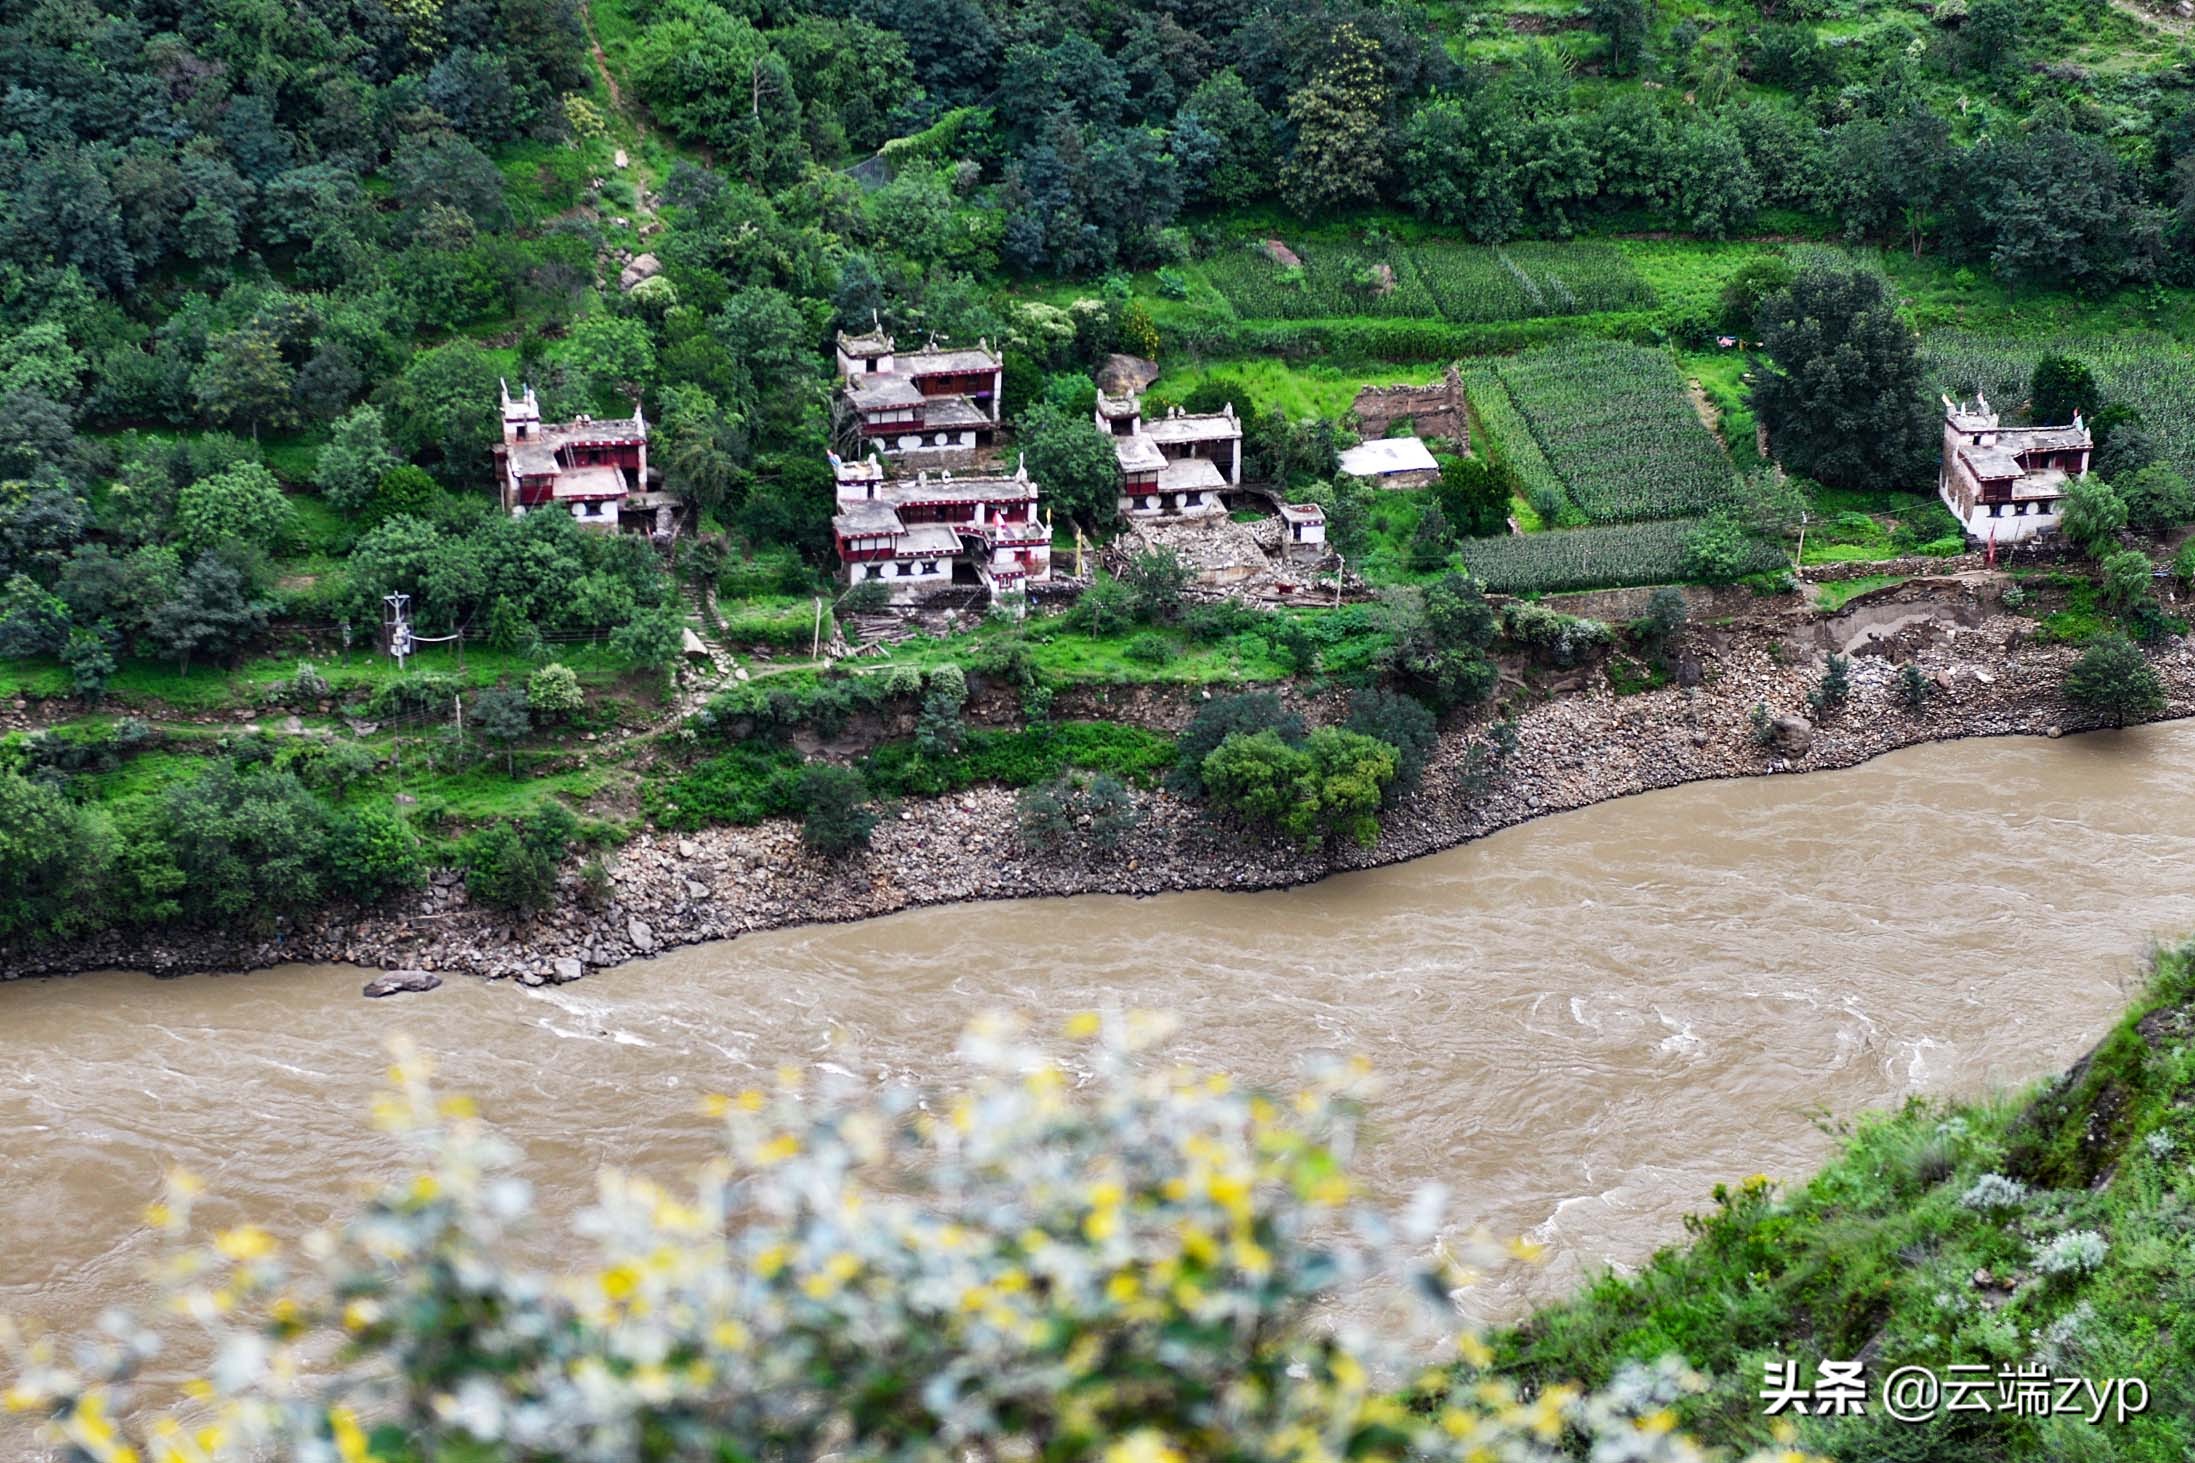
(2005, 484)
(1392, 462)
(1302, 531)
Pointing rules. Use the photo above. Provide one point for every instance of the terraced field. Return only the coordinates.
(1613, 422)
(1461, 283)
(1590, 558)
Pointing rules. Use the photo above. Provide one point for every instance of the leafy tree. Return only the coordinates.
(372, 855)
(2126, 579)
(1073, 463)
(553, 691)
(2158, 499)
(512, 865)
(2060, 387)
(1340, 156)
(39, 529)
(1720, 550)
(1440, 638)
(1843, 396)
(245, 382)
(234, 847)
(54, 858)
(836, 815)
(502, 713)
(243, 504)
(211, 612)
(1621, 23)
(1156, 580)
(1402, 722)
(445, 403)
(1990, 36)
(1474, 495)
(351, 466)
(1237, 165)
(32, 620)
(1757, 281)
(1913, 687)
(1658, 631)
(1834, 688)
(650, 638)
(1330, 787)
(2091, 515)
(1245, 713)
(89, 655)
(2113, 680)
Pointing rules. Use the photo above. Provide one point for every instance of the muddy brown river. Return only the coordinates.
(1586, 1021)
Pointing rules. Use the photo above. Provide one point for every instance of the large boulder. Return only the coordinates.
(566, 970)
(1122, 374)
(1794, 735)
(644, 267)
(398, 982)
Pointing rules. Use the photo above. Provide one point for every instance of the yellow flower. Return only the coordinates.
(729, 1335)
(249, 1242)
(715, 1104)
(349, 1437)
(1145, 1445)
(771, 1261)
(1123, 1287)
(749, 1101)
(1475, 1351)
(782, 1147)
(1658, 1422)
(1082, 1026)
(620, 1281)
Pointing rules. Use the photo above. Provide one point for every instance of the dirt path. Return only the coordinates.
(602, 65)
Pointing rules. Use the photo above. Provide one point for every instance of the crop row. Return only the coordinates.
(1461, 283)
(1592, 558)
(1614, 424)
(1502, 428)
(2151, 373)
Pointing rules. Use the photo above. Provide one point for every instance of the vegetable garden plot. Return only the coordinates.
(1613, 422)
(1593, 558)
(1335, 281)
(2154, 374)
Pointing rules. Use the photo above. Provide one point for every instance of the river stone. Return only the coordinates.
(396, 982)
(1794, 735)
(642, 936)
(568, 969)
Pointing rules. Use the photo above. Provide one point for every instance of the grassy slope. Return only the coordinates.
(1877, 1256)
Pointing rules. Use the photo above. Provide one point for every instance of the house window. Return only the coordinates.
(905, 570)
(929, 566)
(876, 571)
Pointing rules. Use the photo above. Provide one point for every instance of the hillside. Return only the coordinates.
(267, 282)
(2044, 1235)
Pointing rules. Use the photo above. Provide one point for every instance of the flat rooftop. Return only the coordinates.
(1385, 455)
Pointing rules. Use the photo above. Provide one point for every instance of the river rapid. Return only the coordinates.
(1586, 1021)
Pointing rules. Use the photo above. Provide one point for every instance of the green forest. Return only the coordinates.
(267, 267)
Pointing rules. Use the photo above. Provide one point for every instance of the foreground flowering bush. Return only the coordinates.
(1112, 1258)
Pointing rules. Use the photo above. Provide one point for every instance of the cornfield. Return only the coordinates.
(1592, 558)
(2154, 374)
(1503, 427)
(1461, 283)
(1614, 425)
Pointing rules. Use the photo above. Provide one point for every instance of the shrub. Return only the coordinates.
(554, 690)
(1913, 687)
(837, 816)
(1402, 722)
(1149, 648)
(2075, 1253)
(1992, 1193)
(1021, 758)
(1330, 787)
(743, 784)
(1221, 718)
(1554, 637)
(509, 867)
(1834, 688)
(373, 855)
(2112, 679)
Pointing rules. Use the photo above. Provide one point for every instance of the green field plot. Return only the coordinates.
(2154, 374)
(1614, 424)
(1591, 558)
(1462, 283)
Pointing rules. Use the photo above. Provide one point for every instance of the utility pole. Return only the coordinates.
(396, 619)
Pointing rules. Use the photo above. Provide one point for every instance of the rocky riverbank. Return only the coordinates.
(1573, 747)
